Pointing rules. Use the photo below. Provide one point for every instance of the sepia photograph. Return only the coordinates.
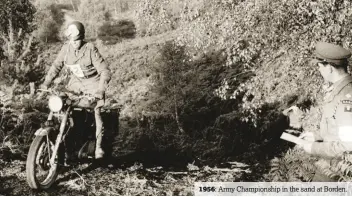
(175, 97)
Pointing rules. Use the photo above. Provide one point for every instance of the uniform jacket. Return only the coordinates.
(336, 123)
(87, 58)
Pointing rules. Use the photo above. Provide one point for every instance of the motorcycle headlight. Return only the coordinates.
(55, 103)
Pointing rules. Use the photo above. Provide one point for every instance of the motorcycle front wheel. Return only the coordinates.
(40, 173)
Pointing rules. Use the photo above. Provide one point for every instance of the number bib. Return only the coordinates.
(76, 70)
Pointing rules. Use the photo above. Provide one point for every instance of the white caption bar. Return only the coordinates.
(273, 188)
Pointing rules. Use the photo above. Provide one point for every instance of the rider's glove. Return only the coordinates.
(99, 94)
(41, 94)
(43, 86)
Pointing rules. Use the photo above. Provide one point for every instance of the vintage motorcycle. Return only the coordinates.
(71, 117)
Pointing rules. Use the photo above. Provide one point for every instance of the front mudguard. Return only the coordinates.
(44, 131)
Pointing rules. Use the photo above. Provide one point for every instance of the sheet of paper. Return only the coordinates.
(76, 70)
(292, 138)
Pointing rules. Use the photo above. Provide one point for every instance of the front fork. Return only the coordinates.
(63, 124)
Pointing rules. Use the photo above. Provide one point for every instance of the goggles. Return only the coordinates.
(72, 32)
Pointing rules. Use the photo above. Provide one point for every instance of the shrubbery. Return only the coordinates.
(273, 40)
(49, 21)
(23, 61)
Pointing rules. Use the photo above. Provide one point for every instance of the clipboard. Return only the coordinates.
(292, 138)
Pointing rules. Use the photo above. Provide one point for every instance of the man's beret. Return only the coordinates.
(332, 53)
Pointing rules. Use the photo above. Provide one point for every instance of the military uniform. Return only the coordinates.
(335, 134)
(336, 122)
(89, 72)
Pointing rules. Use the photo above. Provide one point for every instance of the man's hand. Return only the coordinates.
(44, 87)
(41, 94)
(295, 116)
(307, 146)
(308, 136)
(99, 94)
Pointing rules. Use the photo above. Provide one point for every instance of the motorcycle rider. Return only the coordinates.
(89, 73)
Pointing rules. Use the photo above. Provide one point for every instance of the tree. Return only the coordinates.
(49, 19)
(16, 20)
(92, 12)
(20, 62)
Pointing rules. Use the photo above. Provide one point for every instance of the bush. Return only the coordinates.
(183, 114)
(49, 21)
(155, 17)
(19, 47)
(19, 13)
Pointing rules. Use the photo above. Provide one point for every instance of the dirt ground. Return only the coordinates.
(121, 178)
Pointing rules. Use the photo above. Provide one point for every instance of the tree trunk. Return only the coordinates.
(121, 6)
(73, 6)
(115, 8)
(11, 43)
(32, 89)
(177, 118)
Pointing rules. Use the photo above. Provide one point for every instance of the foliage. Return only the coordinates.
(49, 20)
(20, 49)
(92, 13)
(18, 14)
(294, 166)
(339, 168)
(18, 128)
(155, 17)
(181, 111)
(16, 22)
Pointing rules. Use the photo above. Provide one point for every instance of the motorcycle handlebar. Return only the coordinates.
(70, 95)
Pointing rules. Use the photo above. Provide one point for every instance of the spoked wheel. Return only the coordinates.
(40, 173)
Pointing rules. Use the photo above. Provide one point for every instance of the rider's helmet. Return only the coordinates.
(75, 30)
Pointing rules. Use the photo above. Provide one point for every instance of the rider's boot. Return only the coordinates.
(99, 133)
(69, 151)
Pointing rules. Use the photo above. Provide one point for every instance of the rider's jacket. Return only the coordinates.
(86, 67)
(336, 123)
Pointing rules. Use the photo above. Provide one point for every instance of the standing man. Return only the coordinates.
(89, 74)
(335, 135)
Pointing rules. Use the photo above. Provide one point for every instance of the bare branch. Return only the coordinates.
(11, 43)
(22, 67)
(2, 36)
(11, 31)
(5, 45)
(229, 170)
(17, 67)
(73, 6)
(27, 50)
(177, 118)
(39, 59)
(13, 87)
(19, 33)
(32, 89)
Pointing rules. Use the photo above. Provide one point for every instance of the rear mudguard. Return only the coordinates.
(43, 131)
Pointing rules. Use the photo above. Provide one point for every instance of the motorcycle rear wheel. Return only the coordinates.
(39, 159)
